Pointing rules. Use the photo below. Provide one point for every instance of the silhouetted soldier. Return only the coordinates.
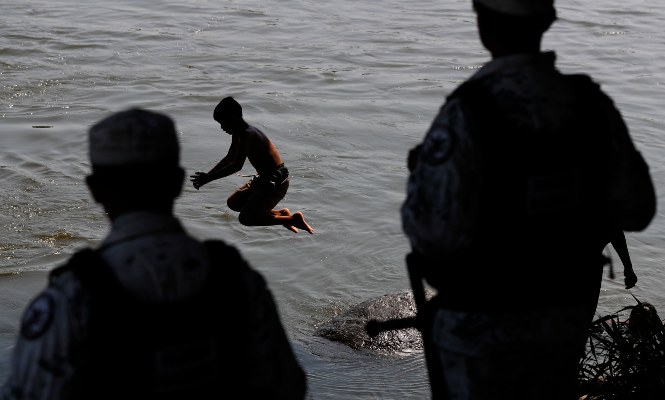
(152, 313)
(519, 183)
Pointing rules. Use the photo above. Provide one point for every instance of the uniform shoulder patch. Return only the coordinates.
(38, 316)
(439, 144)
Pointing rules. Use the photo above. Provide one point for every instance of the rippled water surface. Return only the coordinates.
(344, 88)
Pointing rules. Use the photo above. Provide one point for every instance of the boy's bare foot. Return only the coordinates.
(286, 212)
(299, 221)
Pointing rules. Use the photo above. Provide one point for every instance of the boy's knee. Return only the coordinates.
(246, 219)
(233, 205)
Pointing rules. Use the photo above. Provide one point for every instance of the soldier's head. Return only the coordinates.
(513, 26)
(135, 160)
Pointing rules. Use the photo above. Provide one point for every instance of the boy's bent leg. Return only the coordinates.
(285, 212)
(298, 220)
(240, 198)
(258, 209)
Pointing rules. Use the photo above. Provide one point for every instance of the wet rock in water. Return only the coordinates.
(349, 327)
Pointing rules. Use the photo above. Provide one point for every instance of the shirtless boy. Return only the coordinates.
(256, 199)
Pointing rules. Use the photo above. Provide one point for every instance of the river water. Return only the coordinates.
(344, 88)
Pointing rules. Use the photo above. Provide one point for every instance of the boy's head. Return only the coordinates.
(227, 109)
(229, 115)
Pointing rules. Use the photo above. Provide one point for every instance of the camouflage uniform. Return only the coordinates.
(157, 263)
(508, 195)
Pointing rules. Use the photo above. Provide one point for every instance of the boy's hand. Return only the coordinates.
(199, 179)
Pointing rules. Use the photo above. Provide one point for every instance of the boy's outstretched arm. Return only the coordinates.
(201, 178)
(230, 164)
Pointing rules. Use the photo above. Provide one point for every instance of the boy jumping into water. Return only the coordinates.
(256, 199)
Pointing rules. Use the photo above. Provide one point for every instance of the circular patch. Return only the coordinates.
(438, 145)
(38, 316)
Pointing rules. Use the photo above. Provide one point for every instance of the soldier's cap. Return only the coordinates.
(134, 137)
(523, 8)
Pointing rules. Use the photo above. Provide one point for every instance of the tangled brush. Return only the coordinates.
(625, 356)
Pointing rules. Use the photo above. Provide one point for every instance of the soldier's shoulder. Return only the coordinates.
(63, 288)
(78, 260)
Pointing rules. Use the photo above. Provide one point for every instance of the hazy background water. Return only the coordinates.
(343, 87)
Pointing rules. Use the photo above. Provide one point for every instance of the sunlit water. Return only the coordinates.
(344, 88)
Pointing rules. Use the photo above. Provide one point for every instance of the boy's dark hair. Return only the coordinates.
(227, 108)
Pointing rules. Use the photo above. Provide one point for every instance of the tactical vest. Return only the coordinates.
(543, 207)
(190, 349)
